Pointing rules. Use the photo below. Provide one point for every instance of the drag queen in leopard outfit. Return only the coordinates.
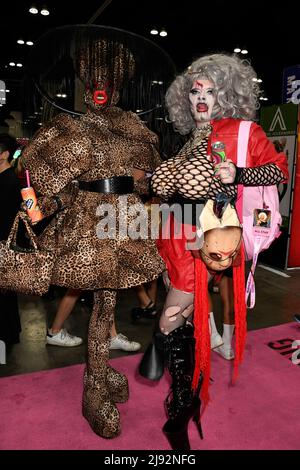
(86, 168)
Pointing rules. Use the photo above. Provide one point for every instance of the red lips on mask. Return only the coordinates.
(100, 97)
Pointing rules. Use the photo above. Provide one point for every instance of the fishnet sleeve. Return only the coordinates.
(264, 175)
(263, 152)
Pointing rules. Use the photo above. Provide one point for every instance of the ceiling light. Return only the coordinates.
(45, 11)
(254, 79)
(19, 64)
(7, 91)
(259, 80)
(237, 50)
(12, 64)
(20, 41)
(33, 10)
(153, 31)
(244, 51)
(29, 43)
(163, 33)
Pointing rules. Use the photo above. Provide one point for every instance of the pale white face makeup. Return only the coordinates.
(202, 100)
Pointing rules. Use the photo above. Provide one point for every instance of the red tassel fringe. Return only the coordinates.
(201, 323)
(240, 313)
(202, 336)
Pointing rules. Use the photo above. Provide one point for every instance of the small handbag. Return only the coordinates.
(26, 270)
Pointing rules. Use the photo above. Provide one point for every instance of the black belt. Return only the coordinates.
(115, 185)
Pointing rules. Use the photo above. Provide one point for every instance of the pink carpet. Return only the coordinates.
(43, 410)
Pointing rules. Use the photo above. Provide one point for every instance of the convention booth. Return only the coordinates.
(281, 126)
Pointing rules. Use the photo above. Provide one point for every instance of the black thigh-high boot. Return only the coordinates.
(182, 403)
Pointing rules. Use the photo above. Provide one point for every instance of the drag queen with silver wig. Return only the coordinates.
(206, 102)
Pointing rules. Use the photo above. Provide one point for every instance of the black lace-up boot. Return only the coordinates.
(182, 403)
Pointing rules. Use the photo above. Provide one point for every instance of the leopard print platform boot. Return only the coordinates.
(98, 405)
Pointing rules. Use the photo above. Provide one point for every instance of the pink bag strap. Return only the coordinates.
(250, 285)
(243, 138)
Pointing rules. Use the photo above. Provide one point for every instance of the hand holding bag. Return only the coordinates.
(26, 270)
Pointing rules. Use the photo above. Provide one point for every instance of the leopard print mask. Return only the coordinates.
(104, 67)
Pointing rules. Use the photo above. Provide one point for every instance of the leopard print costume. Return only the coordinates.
(95, 146)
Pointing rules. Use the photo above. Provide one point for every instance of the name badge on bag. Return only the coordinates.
(261, 222)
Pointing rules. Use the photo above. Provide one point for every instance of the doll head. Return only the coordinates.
(221, 235)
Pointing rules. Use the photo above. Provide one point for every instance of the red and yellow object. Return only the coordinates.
(33, 210)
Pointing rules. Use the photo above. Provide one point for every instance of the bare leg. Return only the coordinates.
(142, 295)
(151, 288)
(226, 292)
(215, 338)
(210, 304)
(65, 308)
(113, 331)
(146, 294)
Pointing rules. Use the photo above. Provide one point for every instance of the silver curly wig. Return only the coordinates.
(235, 91)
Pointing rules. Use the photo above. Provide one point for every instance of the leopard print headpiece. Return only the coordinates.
(104, 66)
